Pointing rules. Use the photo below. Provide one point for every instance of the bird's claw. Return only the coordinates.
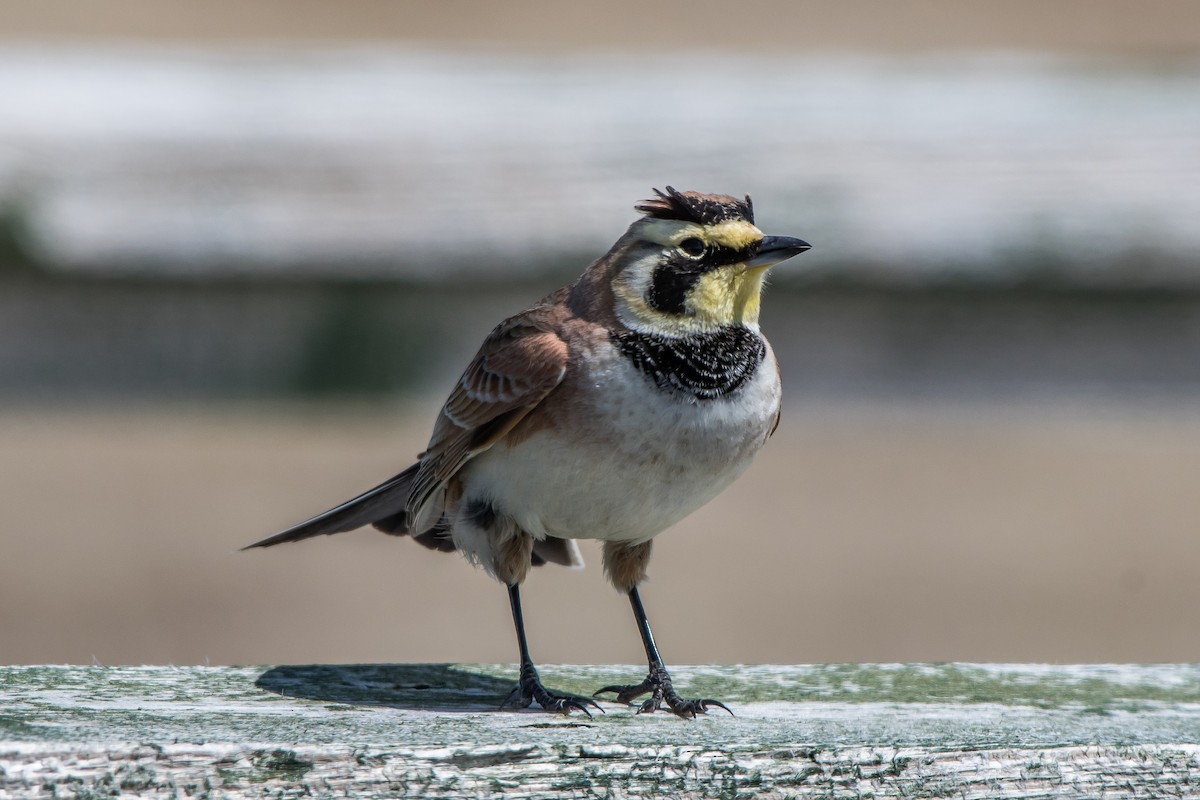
(529, 690)
(688, 709)
(662, 695)
(625, 695)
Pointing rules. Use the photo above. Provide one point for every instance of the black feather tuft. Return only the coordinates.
(705, 209)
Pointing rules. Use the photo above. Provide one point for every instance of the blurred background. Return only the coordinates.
(245, 249)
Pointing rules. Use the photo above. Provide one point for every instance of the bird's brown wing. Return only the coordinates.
(520, 362)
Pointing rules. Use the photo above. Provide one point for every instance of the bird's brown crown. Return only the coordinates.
(704, 209)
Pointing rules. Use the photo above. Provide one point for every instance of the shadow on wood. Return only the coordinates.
(433, 687)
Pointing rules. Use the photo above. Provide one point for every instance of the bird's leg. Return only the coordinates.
(658, 681)
(529, 689)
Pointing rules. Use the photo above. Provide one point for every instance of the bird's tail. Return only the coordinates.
(382, 506)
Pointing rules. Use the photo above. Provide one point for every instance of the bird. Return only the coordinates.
(609, 410)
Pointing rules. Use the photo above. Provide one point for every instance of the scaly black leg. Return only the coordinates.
(658, 680)
(529, 689)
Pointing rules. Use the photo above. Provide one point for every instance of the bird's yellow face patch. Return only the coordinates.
(697, 281)
(734, 234)
(727, 296)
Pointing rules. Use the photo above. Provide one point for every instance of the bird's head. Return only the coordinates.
(693, 263)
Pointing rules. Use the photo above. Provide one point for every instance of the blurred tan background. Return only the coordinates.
(244, 250)
(1153, 26)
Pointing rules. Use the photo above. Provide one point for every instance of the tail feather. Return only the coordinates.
(438, 538)
(385, 502)
(553, 550)
(384, 508)
(393, 524)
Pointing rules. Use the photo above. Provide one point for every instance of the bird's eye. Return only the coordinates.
(692, 247)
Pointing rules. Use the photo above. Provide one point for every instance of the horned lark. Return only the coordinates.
(610, 410)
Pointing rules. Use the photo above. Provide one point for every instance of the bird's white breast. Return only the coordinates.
(631, 461)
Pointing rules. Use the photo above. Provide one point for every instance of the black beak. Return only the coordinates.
(777, 248)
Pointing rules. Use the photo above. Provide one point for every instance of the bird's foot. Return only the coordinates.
(530, 690)
(662, 694)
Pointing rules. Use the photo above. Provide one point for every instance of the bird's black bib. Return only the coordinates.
(702, 365)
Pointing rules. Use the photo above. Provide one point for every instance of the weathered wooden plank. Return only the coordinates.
(430, 730)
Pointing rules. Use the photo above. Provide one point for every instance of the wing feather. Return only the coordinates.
(521, 362)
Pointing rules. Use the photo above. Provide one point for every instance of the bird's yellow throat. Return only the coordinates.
(728, 296)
